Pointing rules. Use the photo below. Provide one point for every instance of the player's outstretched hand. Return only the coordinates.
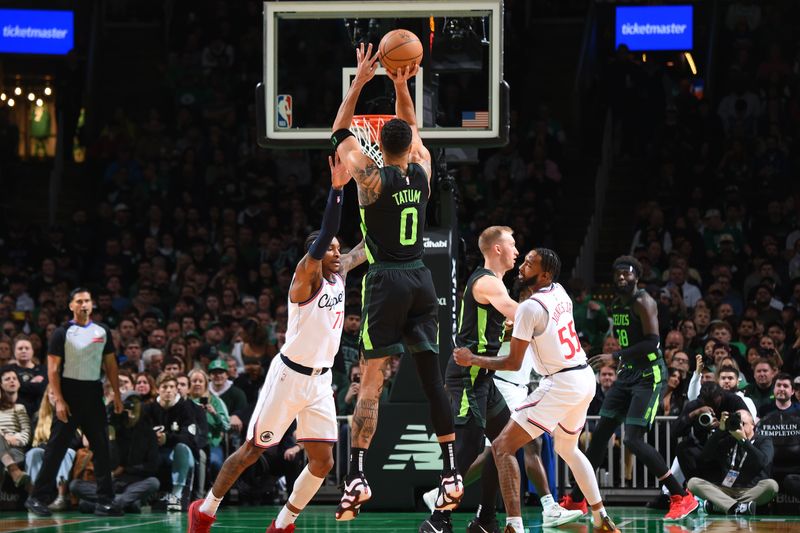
(462, 356)
(367, 64)
(339, 174)
(599, 361)
(402, 75)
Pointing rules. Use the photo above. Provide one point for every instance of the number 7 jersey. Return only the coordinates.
(545, 319)
(393, 224)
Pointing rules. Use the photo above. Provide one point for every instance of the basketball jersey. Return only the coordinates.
(314, 328)
(628, 328)
(557, 346)
(521, 376)
(480, 326)
(393, 224)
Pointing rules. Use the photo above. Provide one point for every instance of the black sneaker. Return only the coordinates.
(745, 509)
(436, 524)
(133, 508)
(476, 526)
(107, 509)
(660, 502)
(86, 507)
(36, 507)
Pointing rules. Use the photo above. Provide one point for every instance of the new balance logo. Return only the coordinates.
(416, 447)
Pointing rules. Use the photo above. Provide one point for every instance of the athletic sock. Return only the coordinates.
(357, 460)
(516, 523)
(210, 504)
(285, 517)
(448, 455)
(547, 501)
(673, 486)
(598, 515)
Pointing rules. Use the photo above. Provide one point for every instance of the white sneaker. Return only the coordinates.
(173, 504)
(557, 515)
(451, 490)
(59, 504)
(430, 499)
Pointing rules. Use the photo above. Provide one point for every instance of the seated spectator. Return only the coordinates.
(35, 456)
(132, 355)
(251, 379)
(680, 362)
(174, 424)
(348, 396)
(782, 391)
(15, 428)
(153, 359)
(134, 459)
(32, 376)
(697, 420)
(690, 338)
(673, 395)
(233, 397)
(173, 366)
(739, 489)
(761, 390)
(216, 416)
(145, 386)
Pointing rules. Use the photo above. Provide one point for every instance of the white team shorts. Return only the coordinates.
(560, 401)
(286, 395)
(514, 395)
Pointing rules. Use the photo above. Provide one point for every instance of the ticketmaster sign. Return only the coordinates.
(27, 31)
(654, 28)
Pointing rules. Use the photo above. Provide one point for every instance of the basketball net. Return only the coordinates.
(367, 129)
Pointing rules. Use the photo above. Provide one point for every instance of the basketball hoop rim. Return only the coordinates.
(376, 122)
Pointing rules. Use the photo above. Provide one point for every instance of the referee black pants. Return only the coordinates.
(85, 401)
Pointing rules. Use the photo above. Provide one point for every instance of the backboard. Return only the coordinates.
(309, 61)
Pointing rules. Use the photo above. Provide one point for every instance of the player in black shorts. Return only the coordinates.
(399, 304)
(633, 399)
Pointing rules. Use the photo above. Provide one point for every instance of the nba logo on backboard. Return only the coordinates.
(284, 111)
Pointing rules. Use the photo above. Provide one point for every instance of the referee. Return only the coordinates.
(75, 358)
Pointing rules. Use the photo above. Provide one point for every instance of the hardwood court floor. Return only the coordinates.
(319, 518)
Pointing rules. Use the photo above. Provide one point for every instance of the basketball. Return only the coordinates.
(399, 48)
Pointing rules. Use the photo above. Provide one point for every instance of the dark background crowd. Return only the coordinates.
(190, 233)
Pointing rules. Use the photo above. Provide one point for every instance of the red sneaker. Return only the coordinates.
(273, 529)
(681, 506)
(571, 505)
(199, 522)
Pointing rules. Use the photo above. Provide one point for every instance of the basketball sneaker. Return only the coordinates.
(681, 506)
(356, 492)
(569, 504)
(430, 499)
(607, 526)
(199, 522)
(476, 526)
(436, 523)
(451, 490)
(557, 515)
(273, 529)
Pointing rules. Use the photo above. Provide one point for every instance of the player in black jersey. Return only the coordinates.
(399, 304)
(633, 399)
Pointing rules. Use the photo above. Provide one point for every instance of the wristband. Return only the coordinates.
(339, 135)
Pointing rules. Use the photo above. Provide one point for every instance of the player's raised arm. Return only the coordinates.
(404, 109)
(363, 169)
(308, 273)
(352, 259)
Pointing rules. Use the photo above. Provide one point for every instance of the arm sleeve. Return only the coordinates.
(530, 320)
(694, 387)
(330, 225)
(649, 344)
(57, 341)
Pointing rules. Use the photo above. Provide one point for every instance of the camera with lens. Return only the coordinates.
(734, 422)
(706, 419)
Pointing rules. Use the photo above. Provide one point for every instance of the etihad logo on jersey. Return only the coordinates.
(622, 320)
(416, 447)
(563, 307)
(430, 243)
(326, 302)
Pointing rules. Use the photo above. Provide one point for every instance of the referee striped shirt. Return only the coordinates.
(81, 349)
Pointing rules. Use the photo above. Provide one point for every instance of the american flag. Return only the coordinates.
(474, 119)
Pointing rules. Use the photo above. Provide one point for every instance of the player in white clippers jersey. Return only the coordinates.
(558, 406)
(298, 383)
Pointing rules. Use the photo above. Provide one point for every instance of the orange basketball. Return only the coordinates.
(398, 49)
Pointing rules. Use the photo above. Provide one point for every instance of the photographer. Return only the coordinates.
(698, 418)
(740, 461)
